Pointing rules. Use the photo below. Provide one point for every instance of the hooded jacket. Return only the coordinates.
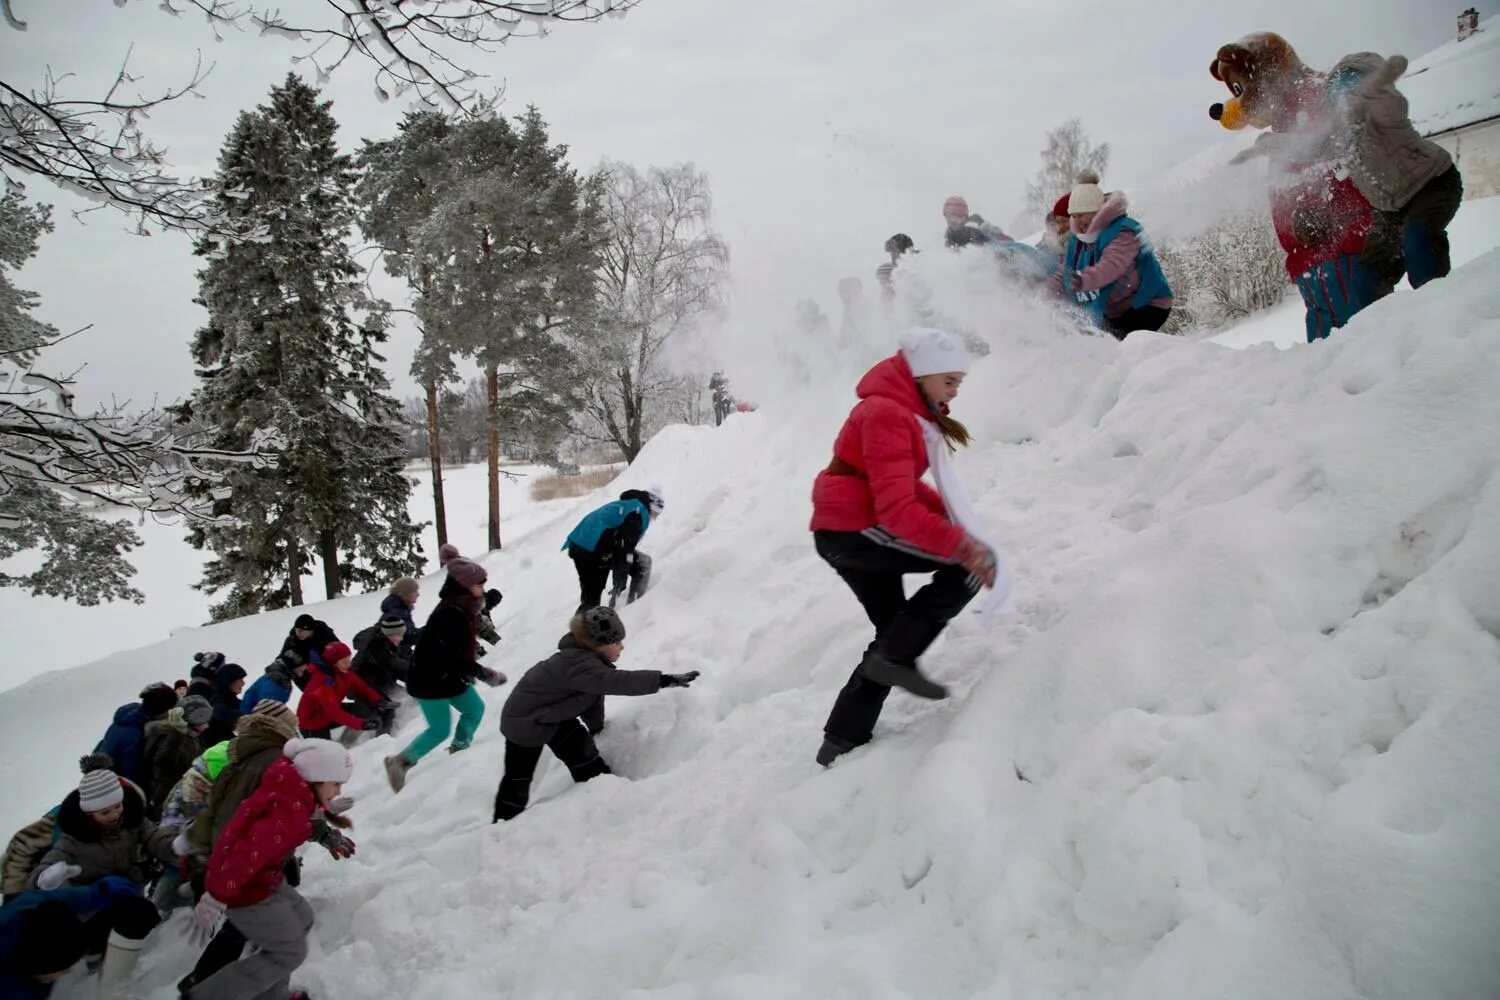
(250, 856)
(256, 748)
(126, 850)
(273, 685)
(394, 606)
(125, 741)
(379, 663)
(1110, 268)
(569, 684)
(881, 456)
(1388, 159)
(322, 704)
(189, 796)
(226, 704)
(84, 901)
(443, 664)
(311, 649)
(170, 748)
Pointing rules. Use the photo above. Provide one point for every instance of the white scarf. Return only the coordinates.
(959, 509)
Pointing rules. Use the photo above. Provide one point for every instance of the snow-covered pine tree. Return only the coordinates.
(1068, 152)
(517, 232)
(284, 352)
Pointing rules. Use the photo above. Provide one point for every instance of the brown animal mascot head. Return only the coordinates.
(1262, 72)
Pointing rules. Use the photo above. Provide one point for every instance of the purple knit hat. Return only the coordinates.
(956, 203)
(466, 572)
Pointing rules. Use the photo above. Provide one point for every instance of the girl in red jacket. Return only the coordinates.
(322, 704)
(245, 879)
(874, 520)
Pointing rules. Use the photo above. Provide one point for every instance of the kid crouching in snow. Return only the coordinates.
(874, 520)
(105, 835)
(322, 704)
(444, 669)
(547, 705)
(245, 881)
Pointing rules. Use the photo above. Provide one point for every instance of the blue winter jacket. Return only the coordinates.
(82, 900)
(264, 687)
(604, 526)
(124, 740)
(1080, 255)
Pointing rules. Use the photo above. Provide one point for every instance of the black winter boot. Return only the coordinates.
(831, 750)
(882, 671)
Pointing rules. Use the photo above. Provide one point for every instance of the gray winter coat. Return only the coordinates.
(569, 684)
(1388, 159)
(127, 850)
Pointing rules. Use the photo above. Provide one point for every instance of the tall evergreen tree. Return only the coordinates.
(284, 353)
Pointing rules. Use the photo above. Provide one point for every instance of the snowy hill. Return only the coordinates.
(1250, 674)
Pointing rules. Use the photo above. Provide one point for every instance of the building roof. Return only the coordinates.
(1456, 84)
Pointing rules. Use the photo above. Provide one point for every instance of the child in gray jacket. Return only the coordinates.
(560, 704)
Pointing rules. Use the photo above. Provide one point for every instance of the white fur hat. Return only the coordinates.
(1087, 195)
(319, 760)
(933, 352)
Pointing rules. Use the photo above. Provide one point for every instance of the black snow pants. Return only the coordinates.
(872, 563)
(593, 576)
(573, 745)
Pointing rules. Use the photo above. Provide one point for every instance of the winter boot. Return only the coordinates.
(831, 750)
(882, 671)
(455, 748)
(395, 771)
(118, 968)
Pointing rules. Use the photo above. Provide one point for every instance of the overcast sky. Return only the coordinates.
(824, 126)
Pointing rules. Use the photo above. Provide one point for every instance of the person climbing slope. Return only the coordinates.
(444, 669)
(43, 934)
(321, 706)
(559, 704)
(605, 541)
(125, 739)
(246, 880)
(874, 521)
(171, 744)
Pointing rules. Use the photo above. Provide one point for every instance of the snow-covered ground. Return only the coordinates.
(1250, 674)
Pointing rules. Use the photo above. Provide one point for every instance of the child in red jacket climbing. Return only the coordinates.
(322, 704)
(874, 520)
(245, 880)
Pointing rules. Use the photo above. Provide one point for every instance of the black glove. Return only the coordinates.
(370, 725)
(678, 680)
(492, 597)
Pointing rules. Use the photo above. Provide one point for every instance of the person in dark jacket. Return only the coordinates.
(171, 745)
(229, 681)
(287, 669)
(559, 704)
(444, 669)
(125, 739)
(400, 603)
(605, 541)
(309, 637)
(378, 658)
(201, 677)
(105, 833)
(44, 934)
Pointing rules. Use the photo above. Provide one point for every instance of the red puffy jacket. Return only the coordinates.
(322, 704)
(1331, 204)
(246, 865)
(882, 443)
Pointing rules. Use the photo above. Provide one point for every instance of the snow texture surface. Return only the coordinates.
(1456, 84)
(1232, 738)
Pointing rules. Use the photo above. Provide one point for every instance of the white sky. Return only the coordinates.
(824, 126)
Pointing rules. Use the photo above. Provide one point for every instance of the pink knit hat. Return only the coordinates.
(957, 205)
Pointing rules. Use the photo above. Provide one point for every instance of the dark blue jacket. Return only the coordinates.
(263, 688)
(82, 900)
(124, 740)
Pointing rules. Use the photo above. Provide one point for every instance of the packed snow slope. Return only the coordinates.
(1233, 737)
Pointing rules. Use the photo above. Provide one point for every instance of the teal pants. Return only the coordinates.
(439, 715)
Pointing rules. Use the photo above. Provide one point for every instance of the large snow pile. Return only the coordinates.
(1455, 84)
(1233, 737)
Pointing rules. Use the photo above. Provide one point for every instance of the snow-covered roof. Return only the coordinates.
(1456, 84)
